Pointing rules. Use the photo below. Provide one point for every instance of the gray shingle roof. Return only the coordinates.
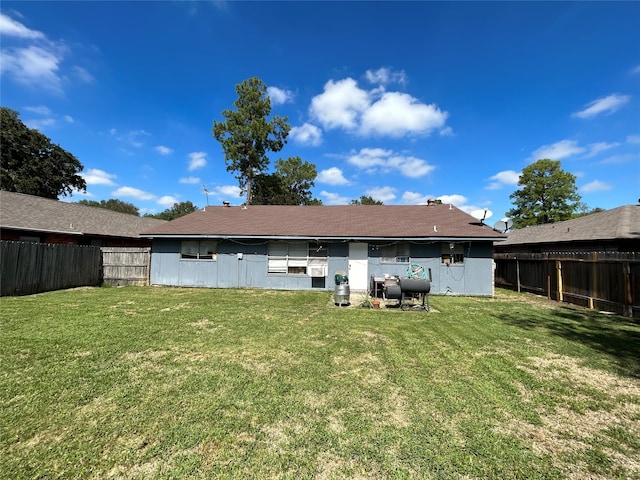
(615, 224)
(27, 212)
(344, 221)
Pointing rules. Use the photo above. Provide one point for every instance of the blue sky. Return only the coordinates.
(399, 101)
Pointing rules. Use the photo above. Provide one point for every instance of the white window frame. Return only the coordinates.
(452, 256)
(199, 250)
(295, 258)
(396, 253)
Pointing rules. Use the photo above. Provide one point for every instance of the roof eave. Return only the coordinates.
(43, 230)
(320, 237)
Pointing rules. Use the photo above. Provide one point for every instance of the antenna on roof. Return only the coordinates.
(206, 192)
(504, 225)
(482, 214)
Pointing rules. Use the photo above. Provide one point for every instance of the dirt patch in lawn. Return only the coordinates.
(608, 404)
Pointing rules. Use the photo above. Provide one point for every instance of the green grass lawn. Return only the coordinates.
(196, 383)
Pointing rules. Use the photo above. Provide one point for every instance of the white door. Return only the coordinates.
(358, 261)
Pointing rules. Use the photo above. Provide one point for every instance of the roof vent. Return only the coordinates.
(226, 203)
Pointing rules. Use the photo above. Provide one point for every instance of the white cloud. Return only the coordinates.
(229, 191)
(334, 198)
(34, 66)
(332, 176)
(595, 186)
(382, 194)
(189, 180)
(369, 158)
(12, 28)
(197, 160)
(40, 124)
(340, 104)
(604, 105)
(446, 132)
(82, 74)
(415, 198)
(397, 114)
(279, 96)
(94, 176)
(37, 61)
(500, 179)
(596, 148)
(162, 150)
(48, 118)
(622, 158)
(167, 201)
(557, 151)
(635, 70)
(633, 139)
(132, 137)
(374, 160)
(306, 134)
(343, 104)
(411, 167)
(39, 110)
(385, 76)
(455, 199)
(133, 193)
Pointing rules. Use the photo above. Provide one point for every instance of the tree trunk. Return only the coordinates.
(249, 187)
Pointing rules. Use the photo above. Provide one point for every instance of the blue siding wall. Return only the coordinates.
(244, 264)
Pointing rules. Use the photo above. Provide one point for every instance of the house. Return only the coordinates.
(590, 261)
(302, 247)
(615, 230)
(29, 218)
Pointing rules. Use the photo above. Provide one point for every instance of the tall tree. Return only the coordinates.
(290, 184)
(366, 200)
(177, 210)
(247, 133)
(112, 204)
(548, 194)
(31, 164)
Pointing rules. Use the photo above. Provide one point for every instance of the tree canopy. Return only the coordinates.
(548, 194)
(366, 200)
(112, 204)
(177, 210)
(31, 164)
(247, 133)
(290, 184)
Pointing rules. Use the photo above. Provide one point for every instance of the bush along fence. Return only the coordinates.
(28, 268)
(608, 281)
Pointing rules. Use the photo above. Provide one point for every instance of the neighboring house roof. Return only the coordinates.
(27, 212)
(328, 222)
(615, 224)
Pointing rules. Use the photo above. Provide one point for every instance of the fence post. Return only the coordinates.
(559, 273)
(593, 281)
(627, 308)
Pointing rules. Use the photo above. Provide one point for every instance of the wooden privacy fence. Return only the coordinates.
(29, 268)
(607, 281)
(126, 265)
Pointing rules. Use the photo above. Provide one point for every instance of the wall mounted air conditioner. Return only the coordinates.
(317, 271)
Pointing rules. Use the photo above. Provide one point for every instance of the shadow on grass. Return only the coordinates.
(618, 337)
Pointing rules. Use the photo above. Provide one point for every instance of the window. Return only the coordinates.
(198, 250)
(297, 258)
(452, 253)
(396, 253)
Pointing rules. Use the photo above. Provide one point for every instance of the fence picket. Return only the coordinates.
(29, 268)
(599, 280)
